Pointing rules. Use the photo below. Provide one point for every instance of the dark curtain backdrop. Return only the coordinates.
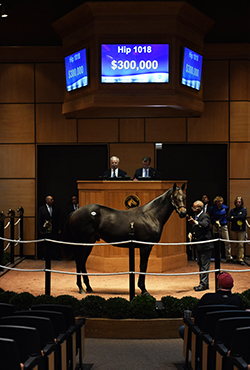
(204, 166)
(60, 166)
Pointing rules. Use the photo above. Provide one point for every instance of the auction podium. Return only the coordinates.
(120, 195)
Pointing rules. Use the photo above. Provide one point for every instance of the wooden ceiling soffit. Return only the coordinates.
(176, 23)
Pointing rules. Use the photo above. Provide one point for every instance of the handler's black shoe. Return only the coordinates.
(200, 288)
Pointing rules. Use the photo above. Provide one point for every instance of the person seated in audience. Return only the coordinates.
(146, 171)
(224, 293)
(114, 170)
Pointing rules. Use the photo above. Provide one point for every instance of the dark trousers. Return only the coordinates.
(55, 248)
(203, 260)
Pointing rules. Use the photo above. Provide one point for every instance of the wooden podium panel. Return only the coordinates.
(113, 194)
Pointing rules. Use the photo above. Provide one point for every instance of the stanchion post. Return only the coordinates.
(2, 217)
(21, 211)
(48, 267)
(11, 213)
(132, 270)
(217, 257)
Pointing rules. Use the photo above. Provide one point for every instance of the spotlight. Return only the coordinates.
(3, 12)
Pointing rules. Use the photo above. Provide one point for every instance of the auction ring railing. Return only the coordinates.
(131, 271)
(12, 224)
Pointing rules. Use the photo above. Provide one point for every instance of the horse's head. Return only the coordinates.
(177, 200)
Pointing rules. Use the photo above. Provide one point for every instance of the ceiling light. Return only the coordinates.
(3, 12)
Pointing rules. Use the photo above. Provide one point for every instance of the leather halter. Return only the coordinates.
(177, 208)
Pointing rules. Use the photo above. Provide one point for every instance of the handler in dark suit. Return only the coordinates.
(114, 171)
(200, 231)
(146, 171)
(50, 226)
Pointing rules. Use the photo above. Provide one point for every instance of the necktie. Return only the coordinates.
(50, 211)
(113, 173)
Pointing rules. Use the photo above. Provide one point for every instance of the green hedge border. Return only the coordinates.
(93, 306)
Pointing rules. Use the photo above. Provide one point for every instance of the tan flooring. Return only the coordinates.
(115, 354)
(116, 285)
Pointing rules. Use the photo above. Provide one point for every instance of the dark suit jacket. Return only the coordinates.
(43, 215)
(121, 173)
(201, 232)
(208, 207)
(154, 175)
(70, 209)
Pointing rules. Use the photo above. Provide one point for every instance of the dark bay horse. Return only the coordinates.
(93, 222)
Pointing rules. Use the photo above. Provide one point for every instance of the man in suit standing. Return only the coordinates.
(146, 171)
(200, 231)
(74, 205)
(114, 171)
(50, 226)
(205, 201)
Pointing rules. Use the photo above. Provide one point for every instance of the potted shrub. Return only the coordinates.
(93, 306)
(118, 308)
(143, 307)
(6, 296)
(22, 301)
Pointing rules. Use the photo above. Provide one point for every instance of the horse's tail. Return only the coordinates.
(67, 237)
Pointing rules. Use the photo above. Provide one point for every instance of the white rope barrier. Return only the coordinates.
(17, 222)
(17, 243)
(118, 243)
(122, 242)
(7, 225)
(7, 246)
(120, 273)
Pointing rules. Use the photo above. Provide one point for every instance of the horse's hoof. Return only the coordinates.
(81, 291)
(146, 293)
(89, 289)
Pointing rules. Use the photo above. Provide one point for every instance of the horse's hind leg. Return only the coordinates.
(83, 268)
(144, 255)
(78, 270)
(81, 255)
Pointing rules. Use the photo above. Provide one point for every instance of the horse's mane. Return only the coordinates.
(160, 199)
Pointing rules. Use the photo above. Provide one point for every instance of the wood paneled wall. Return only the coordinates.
(31, 97)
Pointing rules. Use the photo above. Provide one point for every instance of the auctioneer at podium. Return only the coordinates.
(114, 172)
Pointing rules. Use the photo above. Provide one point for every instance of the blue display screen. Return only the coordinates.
(135, 63)
(192, 66)
(76, 70)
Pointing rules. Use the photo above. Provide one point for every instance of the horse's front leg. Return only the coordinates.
(144, 255)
